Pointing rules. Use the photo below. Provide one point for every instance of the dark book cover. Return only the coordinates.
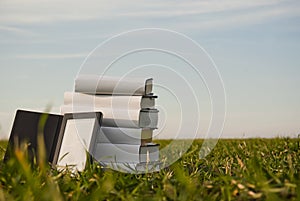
(26, 128)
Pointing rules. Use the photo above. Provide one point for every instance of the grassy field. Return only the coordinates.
(254, 169)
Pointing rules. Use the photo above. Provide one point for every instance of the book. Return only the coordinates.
(95, 84)
(126, 153)
(115, 117)
(26, 128)
(117, 135)
(76, 140)
(109, 101)
(133, 167)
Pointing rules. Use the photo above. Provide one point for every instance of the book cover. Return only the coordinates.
(116, 117)
(76, 140)
(26, 128)
(117, 135)
(110, 101)
(95, 84)
(133, 167)
(126, 153)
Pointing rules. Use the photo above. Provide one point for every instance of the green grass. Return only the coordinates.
(254, 169)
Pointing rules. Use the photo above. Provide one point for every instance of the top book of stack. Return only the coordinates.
(93, 84)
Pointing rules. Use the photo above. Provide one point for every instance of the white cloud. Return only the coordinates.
(177, 15)
(33, 11)
(52, 56)
(43, 11)
(16, 30)
(186, 8)
(242, 19)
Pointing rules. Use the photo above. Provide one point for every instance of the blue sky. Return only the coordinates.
(255, 44)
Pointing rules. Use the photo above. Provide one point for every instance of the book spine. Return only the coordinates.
(149, 153)
(148, 118)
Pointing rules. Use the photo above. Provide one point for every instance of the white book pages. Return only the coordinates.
(72, 152)
(119, 117)
(124, 153)
(117, 135)
(95, 84)
(108, 101)
(133, 167)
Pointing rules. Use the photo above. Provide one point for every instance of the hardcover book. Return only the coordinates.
(119, 135)
(133, 167)
(93, 84)
(126, 153)
(115, 117)
(27, 127)
(110, 101)
(76, 140)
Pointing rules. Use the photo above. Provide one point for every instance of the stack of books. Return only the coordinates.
(129, 118)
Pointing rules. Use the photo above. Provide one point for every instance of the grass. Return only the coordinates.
(252, 169)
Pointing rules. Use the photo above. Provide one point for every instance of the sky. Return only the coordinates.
(254, 44)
